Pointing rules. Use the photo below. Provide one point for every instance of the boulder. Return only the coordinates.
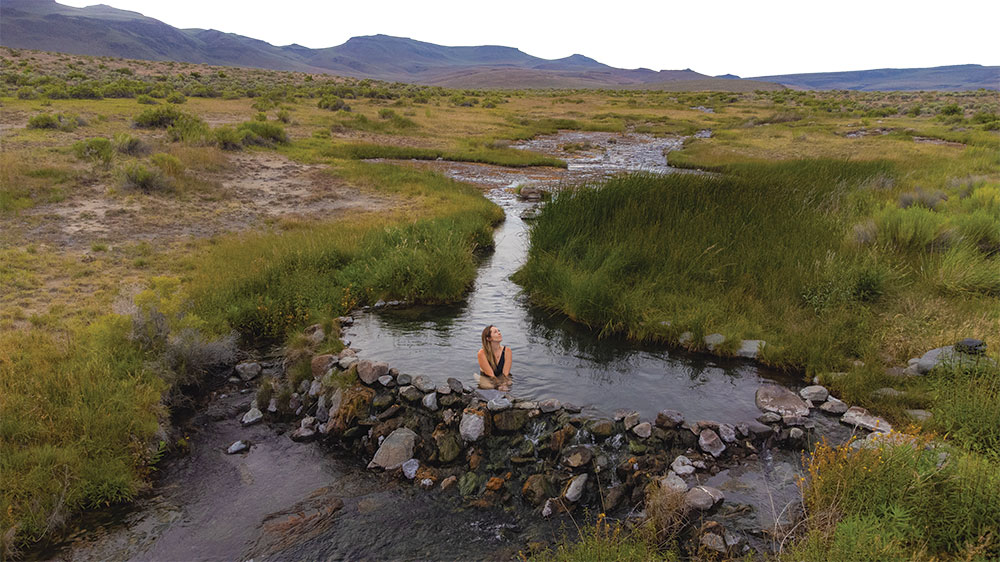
(669, 419)
(315, 334)
(387, 381)
(971, 346)
(682, 465)
(815, 393)
(727, 432)
(396, 449)
(321, 364)
(673, 482)
(713, 341)
(411, 393)
(455, 385)
(448, 445)
(710, 442)
(536, 489)
(430, 401)
(410, 468)
(603, 428)
(703, 498)
(442, 389)
(237, 447)
(248, 370)
(577, 456)
(833, 406)
(643, 430)
(499, 404)
(354, 404)
(510, 420)
(369, 372)
(472, 426)
(423, 383)
(859, 417)
(576, 488)
(780, 400)
(750, 348)
(631, 420)
(252, 416)
(549, 406)
(347, 361)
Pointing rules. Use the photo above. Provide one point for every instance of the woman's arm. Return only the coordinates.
(484, 365)
(506, 364)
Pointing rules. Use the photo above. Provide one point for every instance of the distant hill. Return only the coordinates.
(958, 77)
(105, 31)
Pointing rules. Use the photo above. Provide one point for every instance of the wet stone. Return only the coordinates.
(430, 401)
(526, 405)
(396, 449)
(510, 420)
(455, 385)
(576, 488)
(643, 430)
(403, 379)
(535, 490)
(411, 393)
(442, 389)
(815, 393)
(780, 400)
(572, 408)
(833, 406)
(252, 416)
(710, 442)
(499, 404)
(758, 429)
(248, 370)
(383, 399)
(703, 498)
(669, 419)
(423, 383)
(577, 456)
(237, 447)
(410, 468)
(769, 417)
(387, 381)
(797, 421)
(549, 406)
(682, 465)
(472, 425)
(603, 428)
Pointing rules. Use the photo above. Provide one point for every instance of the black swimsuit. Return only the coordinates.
(499, 370)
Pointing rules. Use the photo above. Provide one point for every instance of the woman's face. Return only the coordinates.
(495, 335)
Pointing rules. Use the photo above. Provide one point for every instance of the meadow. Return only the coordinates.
(849, 230)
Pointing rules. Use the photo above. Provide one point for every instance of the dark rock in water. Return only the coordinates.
(577, 456)
(450, 399)
(354, 404)
(574, 491)
(510, 420)
(403, 379)
(423, 383)
(971, 346)
(395, 450)
(536, 489)
(370, 372)
(703, 498)
(448, 445)
(549, 406)
(669, 419)
(449, 482)
(468, 483)
(780, 400)
(411, 393)
(472, 426)
(389, 412)
(559, 438)
(383, 399)
(758, 430)
(456, 385)
(603, 428)
(798, 421)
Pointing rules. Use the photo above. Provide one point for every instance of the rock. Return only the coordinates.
(389, 412)
(248, 370)
(572, 408)
(321, 364)
(815, 393)
(430, 401)
(370, 372)
(796, 433)
(971, 346)
(447, 416)
(713, 341)
(403, 379)
(387, 381)
(303, 434)
(887, 393)
(472, 426)
(576, 487)
(709, 442)
(682, 465)
(526, 405)
(669, 419)
(750, 348)
(643, 430)
(423, 383)
(603, 428)
(411, 393)
(494, 484)
(322, 410)
(833, 406)
(780, 400)
(237, 447)
(486, 394)
(396, 449)
(859, 417)
(449, 482)
(800, 421)
(919, 415)
(946, 355)
(455, 385)
(426, 483)
(631, 420)
(442, 389)
(410, 468)
(347, 361)
(448, 446)
(758, 430)
(252, 416)
(714, 542)
(536, 489)
(315, 334)
(703, 498)
(577, 456)
(345, 320)
(550, 507)
(468, 483)
(530, 193)
(510, 420)
(354, 403)
(499, 404)
(549, 406)
(315, 388)
(673, 482)
(727, 432)
(685, 339)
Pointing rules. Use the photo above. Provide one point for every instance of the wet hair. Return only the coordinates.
(486, 348)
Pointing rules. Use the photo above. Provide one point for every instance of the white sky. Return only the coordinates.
(713, 37)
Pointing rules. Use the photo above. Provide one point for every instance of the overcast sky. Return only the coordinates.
(712, 36)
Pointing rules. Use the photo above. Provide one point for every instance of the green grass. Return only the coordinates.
(499, 156)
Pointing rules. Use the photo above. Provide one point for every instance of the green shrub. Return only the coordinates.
(262, 133)
(60, 121)
(97, 150)
(228, 138)
(158, 117)
(176, 97)
(284, 116)
(189, 129)
(915, 228)
(137, 176)
(125, 143)
(168, 164)
(951, 109)
(333, 103)
(145, 99)
(964, 269)
(55, 92)
(27, 93)
(261, 116)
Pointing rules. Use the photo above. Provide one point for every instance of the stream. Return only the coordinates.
(288, 501)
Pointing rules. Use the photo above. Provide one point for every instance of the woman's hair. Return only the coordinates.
(486, 348)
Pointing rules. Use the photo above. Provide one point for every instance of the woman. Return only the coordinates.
(494, 361)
